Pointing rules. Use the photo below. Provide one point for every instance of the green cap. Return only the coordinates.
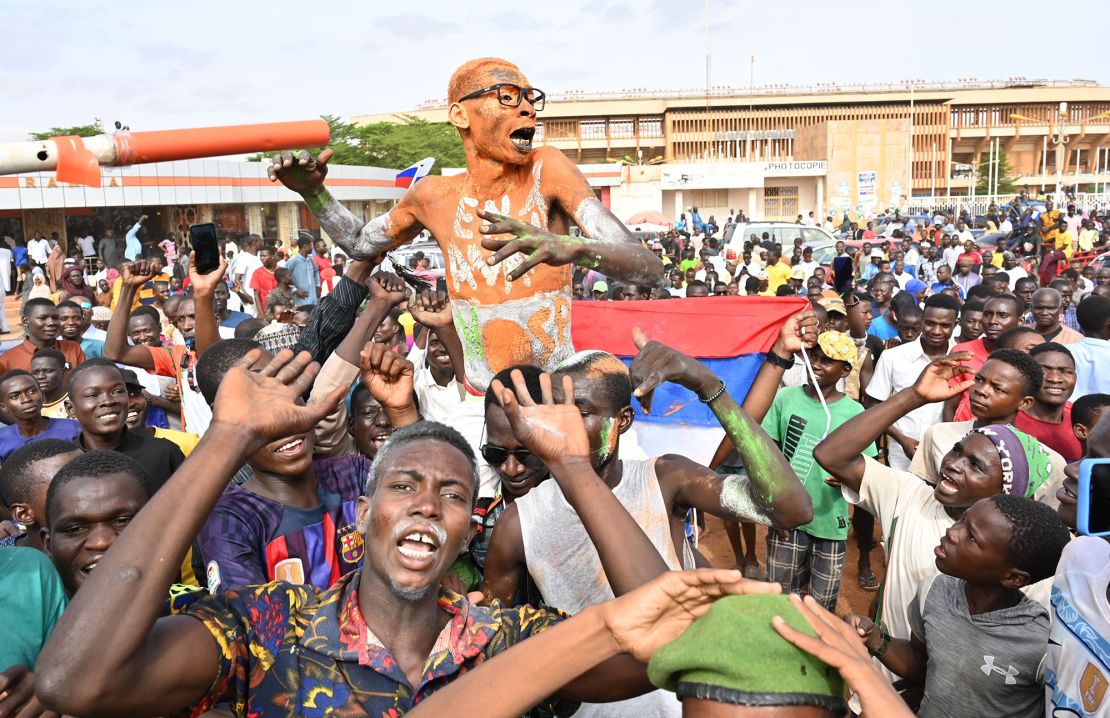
(733, 655)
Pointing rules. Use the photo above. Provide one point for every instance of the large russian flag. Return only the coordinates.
(730, 335)
(408, 177)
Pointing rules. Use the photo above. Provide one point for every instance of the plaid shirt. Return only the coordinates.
(331, 320)
(289, 650)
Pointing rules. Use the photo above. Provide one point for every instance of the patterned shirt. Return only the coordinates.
(250, 539)
(289, 650)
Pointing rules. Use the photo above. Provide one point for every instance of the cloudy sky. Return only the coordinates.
(159, 65)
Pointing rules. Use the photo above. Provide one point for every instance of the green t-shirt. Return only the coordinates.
(688, 264)
(797, 423)
(33, 600)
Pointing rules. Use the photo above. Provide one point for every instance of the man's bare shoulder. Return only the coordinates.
(434, 188)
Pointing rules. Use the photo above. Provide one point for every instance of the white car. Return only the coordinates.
(781, 233)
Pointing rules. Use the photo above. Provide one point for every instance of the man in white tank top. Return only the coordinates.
(543, 536)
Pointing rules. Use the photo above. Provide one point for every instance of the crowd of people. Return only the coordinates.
(952, 419)
(325, 488)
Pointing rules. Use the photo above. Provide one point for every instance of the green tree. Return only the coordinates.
(79, 130)
(1005, 175)
(397, 145)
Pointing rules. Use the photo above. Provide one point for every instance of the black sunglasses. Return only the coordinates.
(510, 95)
(496, 456)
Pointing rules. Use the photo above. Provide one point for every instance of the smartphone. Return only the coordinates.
(842, 274)
(205, 247)
(1093, 512)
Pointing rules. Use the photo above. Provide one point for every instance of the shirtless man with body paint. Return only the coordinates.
(511, 288)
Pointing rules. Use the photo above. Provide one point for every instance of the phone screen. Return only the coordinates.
(205, 246)
(842, 274)
(1098, 498)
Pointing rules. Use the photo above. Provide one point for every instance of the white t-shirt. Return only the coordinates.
(1077, 670)
(1006, 226)
(88, 245)
(1015, 274)
(39, 250)
(897, 369)
(807, 267)
(437, 403)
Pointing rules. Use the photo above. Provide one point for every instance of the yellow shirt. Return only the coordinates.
(996, 260)
(777, 275)
(1087, 239)
(56, 410)
(1065, 242)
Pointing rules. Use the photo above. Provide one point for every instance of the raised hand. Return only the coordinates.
(299, 171)
(388, 375)
(432, 309)
(553, 432)
(388, 287)
(643, 620)
(139, 272)
(933, 383)
(657, 363)
(204, 285)
(264, 400)
(798, 332)
(538, 245)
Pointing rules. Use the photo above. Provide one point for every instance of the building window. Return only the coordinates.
(592, 129)
(711, 198)
(621, 129)
(651, 127)
(780, 203)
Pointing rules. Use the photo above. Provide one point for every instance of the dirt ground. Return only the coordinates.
(714, 546)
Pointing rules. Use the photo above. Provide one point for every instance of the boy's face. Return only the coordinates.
(909, 328)
(999, 392)
(1059, 378)
(828, 371)
(975, 548)
(970, 471)
(98, 398)
(998, 316)
(88, 515)
(48, 372)
(21, 397)
(604, 423)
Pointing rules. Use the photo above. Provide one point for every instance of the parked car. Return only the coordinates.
(825, 251)
(406, 257)
(781, 233)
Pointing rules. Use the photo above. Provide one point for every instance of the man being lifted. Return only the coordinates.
(510, 290)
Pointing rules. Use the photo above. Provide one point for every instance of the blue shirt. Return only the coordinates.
(306, 276)
(234, 319)
(19, 256)
(11, 440)
(882, 329)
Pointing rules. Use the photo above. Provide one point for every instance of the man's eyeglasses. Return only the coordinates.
(510, 95)
(496, 456)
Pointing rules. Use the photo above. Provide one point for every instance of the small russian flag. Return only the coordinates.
(408, 177)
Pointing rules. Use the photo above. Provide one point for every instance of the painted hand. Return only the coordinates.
(388, 375)
(933, 384)
(264, 399)
(538, 245)
(657, 363)
(553, 432)
(388, 287)
(204, 285)
(642, 621)
(138, 273)
(299, 171)
(432, 309)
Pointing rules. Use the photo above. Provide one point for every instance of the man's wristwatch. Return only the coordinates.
(780, 362)
(884, 644)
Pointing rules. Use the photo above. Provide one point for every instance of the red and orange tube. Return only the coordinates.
(77, 160)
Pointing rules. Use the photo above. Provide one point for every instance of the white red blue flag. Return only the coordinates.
(408, 177)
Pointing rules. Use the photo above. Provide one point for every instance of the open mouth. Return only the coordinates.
(418, 549)
(522, 138)
(939, 551)
(947, 486)
(291, 448)
(109, 416)
(87, 569)
(380, 438)
(1065, 494)
(132, 416)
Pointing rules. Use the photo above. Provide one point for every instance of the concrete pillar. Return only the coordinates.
(285, 231)
(679, 208)
(754, 206)
(820, 200)
(254, 219)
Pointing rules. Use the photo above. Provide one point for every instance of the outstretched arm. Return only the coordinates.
(301, 173)
(771, 494)
(840, 453)
(207, 328)
(130, 661)
(582, 655)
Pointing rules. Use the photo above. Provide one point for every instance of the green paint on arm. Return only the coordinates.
(756, 449)
(318, 200)
(471, 333)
